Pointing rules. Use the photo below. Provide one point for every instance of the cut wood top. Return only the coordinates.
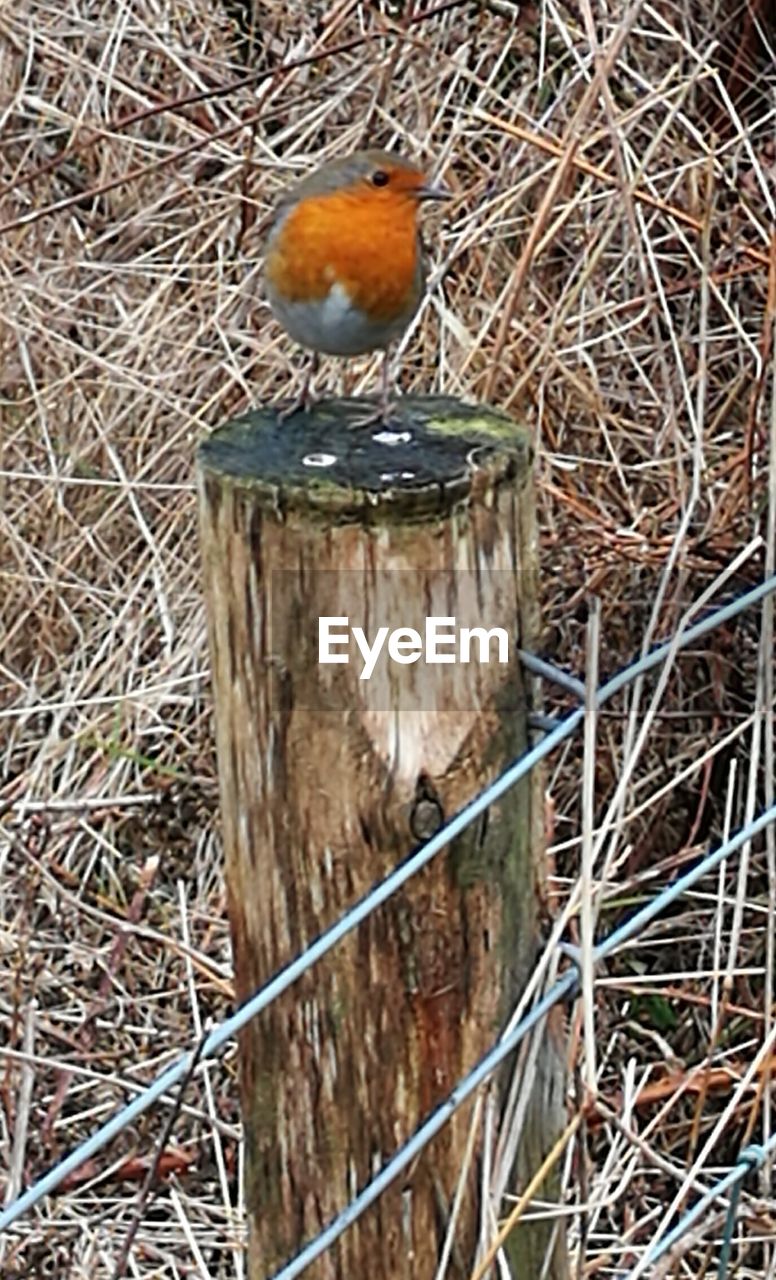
(436, 451)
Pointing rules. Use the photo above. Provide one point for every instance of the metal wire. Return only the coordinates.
(751, 1158)
(414, 863)
(746, 1161)
(539, 667)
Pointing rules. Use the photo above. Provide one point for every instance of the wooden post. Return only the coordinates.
(328, 780)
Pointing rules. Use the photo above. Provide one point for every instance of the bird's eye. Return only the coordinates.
(380, 178)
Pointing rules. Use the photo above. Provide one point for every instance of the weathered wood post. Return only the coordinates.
(329, 779)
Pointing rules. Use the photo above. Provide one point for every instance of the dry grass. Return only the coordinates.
(603, 273)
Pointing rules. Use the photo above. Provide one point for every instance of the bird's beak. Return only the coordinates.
(428, 192)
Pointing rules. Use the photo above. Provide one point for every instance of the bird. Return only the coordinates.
(344, 266)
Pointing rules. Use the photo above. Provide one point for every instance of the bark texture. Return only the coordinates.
(328, 781)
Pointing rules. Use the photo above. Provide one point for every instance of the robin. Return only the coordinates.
(344, 265)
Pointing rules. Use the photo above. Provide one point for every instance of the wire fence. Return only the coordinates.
(751, 1158)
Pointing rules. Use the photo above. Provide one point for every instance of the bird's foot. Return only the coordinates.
(304, 402)
(382, 415)
(305, 399)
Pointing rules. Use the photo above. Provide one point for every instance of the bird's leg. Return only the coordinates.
(305, 400)
(385, 388)
(382, 414)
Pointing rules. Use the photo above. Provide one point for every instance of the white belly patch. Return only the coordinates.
(332, 325)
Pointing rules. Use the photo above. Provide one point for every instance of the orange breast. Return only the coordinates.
(368, 246)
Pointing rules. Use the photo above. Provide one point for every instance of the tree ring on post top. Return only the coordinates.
(431, 456)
